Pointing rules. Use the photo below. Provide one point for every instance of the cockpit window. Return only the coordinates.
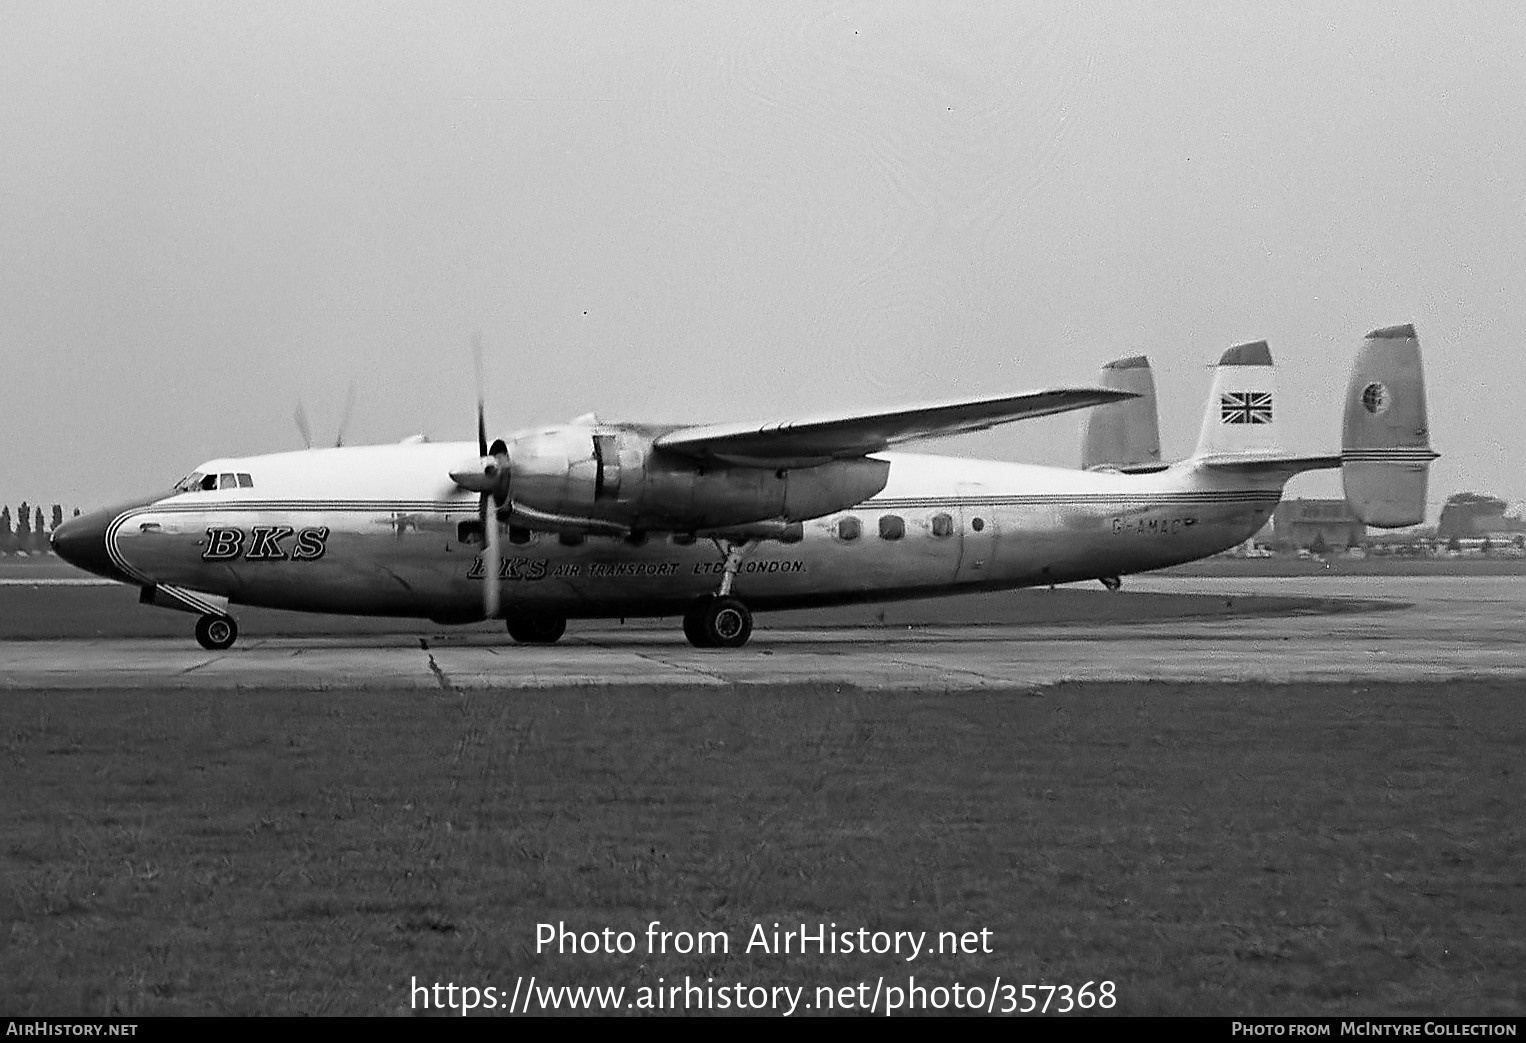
(198, 482)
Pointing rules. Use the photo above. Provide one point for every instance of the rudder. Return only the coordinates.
(1386, 440)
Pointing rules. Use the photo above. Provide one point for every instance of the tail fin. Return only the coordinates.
(1124, 434)
(1241, 417)
(1386, 441)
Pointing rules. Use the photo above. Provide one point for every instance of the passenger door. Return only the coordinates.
(978, 534)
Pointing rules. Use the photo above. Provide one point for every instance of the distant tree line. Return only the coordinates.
(28, 530)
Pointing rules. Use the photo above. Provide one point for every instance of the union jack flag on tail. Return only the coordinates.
(1245, 407)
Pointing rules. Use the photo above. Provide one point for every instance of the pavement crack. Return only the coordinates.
(434, 668)
(718, 678)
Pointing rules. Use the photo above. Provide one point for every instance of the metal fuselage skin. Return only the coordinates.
(377, 530)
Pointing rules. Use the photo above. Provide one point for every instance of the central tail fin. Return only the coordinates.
(1241, 418)
(1386, 440)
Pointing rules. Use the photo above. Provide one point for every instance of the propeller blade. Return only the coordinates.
(481, 394)
(491, 555)
(300, 416)
(344, 419)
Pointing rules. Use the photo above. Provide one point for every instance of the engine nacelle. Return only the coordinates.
(614, 474)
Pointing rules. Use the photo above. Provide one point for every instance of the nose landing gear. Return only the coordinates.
(216, 633)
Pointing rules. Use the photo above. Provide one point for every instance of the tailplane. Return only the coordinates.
(1124, 436)
(1385, 453)
(1386, 441)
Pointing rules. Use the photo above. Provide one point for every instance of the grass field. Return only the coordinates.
(1209, 849)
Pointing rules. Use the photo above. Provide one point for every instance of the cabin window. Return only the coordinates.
(793, 533)
(943, 526)
(519, 535)
(470, 532)
(570, 539)
(683, 539)
(636, 538)
(892, 527)
(848, 529)
(978, 524)
(245, 481)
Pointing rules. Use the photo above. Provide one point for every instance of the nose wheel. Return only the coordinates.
(216, 633)
(718, 622)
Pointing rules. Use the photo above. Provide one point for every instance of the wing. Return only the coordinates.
(816, 440)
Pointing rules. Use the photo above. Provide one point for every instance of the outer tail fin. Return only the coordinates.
(1386, 441)
(1124, 435)
(1240, 419)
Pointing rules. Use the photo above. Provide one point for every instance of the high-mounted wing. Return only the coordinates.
(816, 440)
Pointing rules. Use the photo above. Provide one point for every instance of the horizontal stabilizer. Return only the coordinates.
(1251, 463)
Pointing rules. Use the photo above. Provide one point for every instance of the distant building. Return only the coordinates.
(1311, 523)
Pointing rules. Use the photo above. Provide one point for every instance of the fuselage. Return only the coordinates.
(383, 530)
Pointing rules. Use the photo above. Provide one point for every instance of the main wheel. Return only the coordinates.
(718, 623)
(215, 633)
(694, 624)
(536, 630)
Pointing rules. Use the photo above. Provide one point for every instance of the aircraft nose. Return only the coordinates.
(81, 542)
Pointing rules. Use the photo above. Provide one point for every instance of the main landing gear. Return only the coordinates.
(720, 620)
(216, 633)
(536, 630)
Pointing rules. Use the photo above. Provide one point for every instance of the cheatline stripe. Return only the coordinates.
(1075, 501)
(1206, 496)
(416, 506)
(115, 554)
(1399, 453)
(190, 597)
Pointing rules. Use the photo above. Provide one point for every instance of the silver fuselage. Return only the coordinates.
(378, 530)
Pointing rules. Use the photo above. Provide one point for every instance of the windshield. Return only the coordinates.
(198, 482)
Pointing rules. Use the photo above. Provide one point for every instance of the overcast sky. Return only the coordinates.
(718, 211)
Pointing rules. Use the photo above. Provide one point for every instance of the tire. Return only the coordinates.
(724, 623)
(694, 624)
(536, 630)
(216, 633)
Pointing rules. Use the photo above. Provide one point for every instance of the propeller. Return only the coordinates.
(491, 480)
(344, 418)
(300, 416)
(306, 428)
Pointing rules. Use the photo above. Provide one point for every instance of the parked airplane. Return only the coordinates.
(595, 520)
